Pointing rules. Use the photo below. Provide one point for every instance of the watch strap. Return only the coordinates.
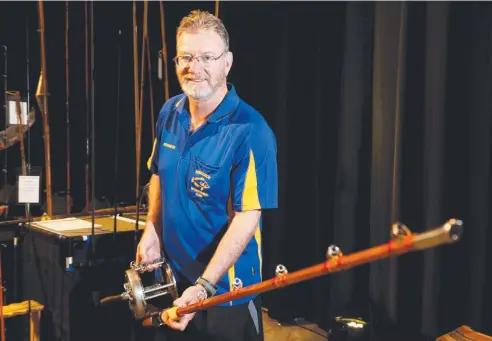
(209, 287)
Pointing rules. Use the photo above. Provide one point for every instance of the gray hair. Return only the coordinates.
(204, 20)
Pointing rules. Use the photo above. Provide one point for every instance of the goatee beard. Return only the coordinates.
(198, 92)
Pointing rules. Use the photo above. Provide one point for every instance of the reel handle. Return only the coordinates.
(143, 267)
(114, 298)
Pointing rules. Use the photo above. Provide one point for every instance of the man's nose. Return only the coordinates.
(194, 65)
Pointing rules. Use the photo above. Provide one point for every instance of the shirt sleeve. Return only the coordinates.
(254, 182)
(153, 161)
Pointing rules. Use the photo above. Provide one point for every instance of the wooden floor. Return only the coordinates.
(273, 331)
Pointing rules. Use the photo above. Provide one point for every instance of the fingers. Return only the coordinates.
(169, 316)
(189, 296)
(182, 323)
(145, 256)
(181, 301)
(151, 267)
(138, 258)
(184, 300)
(179, 324)
(141, 257)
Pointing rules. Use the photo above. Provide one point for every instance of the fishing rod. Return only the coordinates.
(2, 317)
(136, 98)
(403, 242)
(117, 134)
(87, 108)
(163, 54)
(137, 116)
(5, 155)
(67, 108)
(140, 112)
(47, 146)
(93, 137)
(28, 205)
(149, 72)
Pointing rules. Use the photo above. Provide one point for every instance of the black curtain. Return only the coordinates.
(381, 112)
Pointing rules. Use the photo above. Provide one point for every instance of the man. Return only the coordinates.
(213, 171)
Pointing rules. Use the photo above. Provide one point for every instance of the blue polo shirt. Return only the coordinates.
(229, 164)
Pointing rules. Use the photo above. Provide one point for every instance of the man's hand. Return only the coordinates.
(149, 247)
(190, 296)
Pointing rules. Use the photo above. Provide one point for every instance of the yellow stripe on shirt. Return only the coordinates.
(149, 161)
(251, 199)
(258, 242)
(232, 278)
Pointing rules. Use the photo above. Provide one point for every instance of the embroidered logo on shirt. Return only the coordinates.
(199, 184)
(169, 145)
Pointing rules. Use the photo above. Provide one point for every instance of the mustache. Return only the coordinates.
(195, 78)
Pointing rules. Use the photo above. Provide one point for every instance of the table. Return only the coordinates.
(61, 272)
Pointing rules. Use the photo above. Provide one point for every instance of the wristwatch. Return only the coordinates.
(209, 287)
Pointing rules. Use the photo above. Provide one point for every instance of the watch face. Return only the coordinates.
(209, 288)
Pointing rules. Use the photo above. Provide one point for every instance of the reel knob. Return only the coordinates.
(147, 266)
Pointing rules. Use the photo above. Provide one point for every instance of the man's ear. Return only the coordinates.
(228, 61)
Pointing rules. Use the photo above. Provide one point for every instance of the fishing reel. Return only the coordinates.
(142, 286)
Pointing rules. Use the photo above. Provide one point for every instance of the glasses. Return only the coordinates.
(204, 60)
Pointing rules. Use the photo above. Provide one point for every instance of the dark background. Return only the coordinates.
(381, 112)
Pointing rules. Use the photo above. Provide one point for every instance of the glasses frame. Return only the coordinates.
(197, 58)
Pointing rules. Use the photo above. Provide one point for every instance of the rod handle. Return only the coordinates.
(173, 314)
(155, 319)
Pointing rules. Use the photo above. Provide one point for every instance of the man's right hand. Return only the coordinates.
(149, 247)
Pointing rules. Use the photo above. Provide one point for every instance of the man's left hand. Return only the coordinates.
(190, 296)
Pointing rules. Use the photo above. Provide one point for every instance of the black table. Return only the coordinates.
(60, 271)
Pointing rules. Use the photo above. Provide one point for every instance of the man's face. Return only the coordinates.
(201, 78)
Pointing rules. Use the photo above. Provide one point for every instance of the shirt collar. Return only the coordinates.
(225, 108)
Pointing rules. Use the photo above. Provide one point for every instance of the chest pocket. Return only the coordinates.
(206, 184)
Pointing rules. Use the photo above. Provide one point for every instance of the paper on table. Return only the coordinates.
(67, 224)
(128, 220)
(28, 189)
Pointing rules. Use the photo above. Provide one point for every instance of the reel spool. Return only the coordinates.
(138, 294)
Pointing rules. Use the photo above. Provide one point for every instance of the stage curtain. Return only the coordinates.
(381, 112)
